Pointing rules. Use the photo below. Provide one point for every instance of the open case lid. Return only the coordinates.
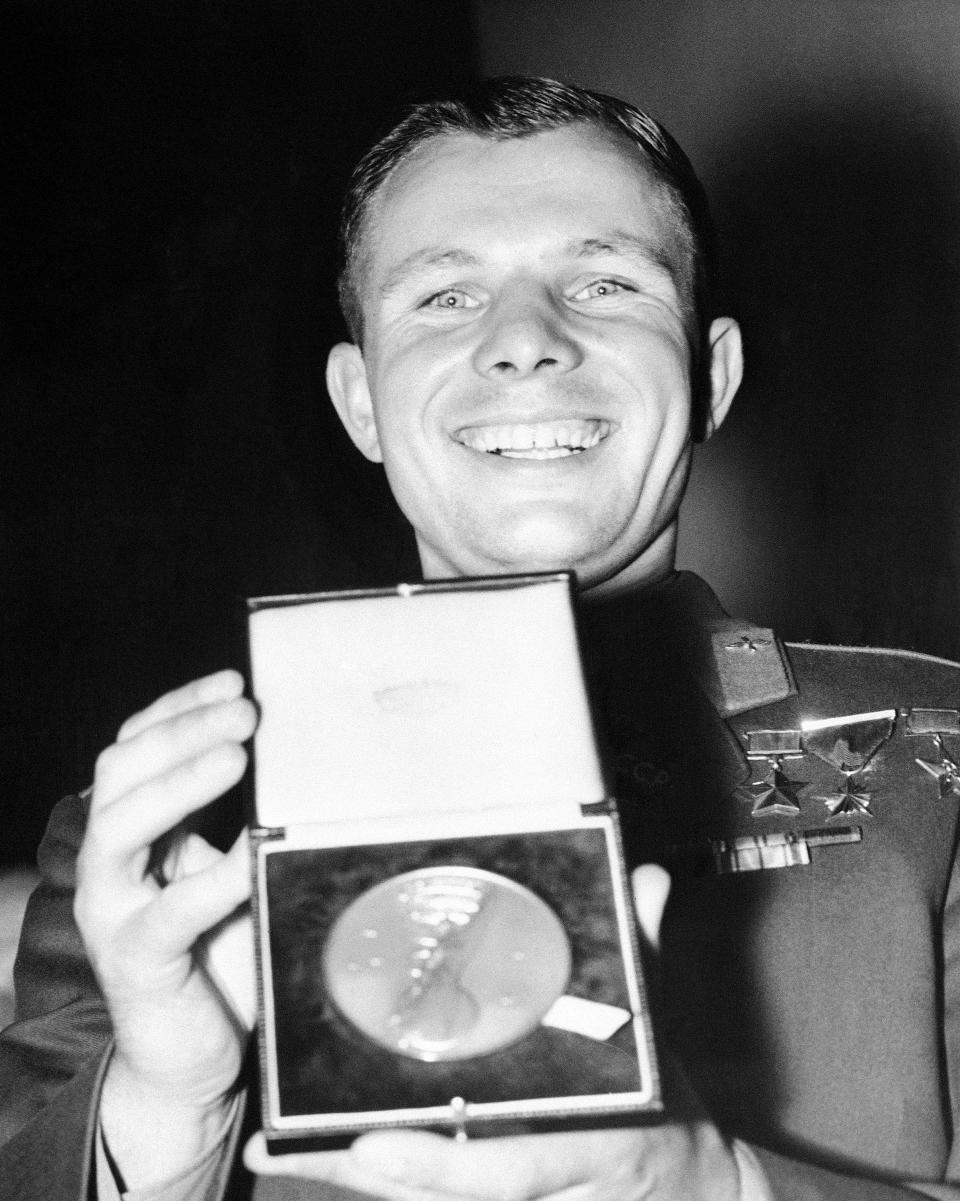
(459, 696)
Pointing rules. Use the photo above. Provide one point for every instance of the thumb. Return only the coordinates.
(651, 887)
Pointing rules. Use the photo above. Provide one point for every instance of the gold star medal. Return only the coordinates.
(774, 794)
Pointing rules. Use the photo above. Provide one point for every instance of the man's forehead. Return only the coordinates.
(452, 172)
(518, 159)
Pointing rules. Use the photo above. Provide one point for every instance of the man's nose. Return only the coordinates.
(524, 334)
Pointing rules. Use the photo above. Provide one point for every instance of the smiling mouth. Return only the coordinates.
(538, 440)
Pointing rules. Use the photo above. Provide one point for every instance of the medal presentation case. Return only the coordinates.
(445, 936)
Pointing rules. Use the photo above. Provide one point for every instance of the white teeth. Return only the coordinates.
(520, 437)
(539, 440)
(539, 452)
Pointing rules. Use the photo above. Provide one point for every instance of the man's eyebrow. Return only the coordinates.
(422, 261)
(633, 246)
(431, 258)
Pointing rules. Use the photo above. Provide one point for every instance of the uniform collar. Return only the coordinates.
(738, 665)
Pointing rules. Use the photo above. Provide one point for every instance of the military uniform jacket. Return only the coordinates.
(805, 800)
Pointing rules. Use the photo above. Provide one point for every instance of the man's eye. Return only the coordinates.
(600, 288)
(452, 298)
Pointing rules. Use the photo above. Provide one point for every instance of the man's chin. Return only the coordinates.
(501, 562)
(540, 542)
(598, 573)
(530, 562)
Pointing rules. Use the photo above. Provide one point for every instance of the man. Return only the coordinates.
(528, 283)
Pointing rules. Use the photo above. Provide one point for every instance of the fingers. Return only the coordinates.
(175, 757)
(162, 746)
(332, 1166)
(186, 855)
(651, 888)
(227, 951)
(221, 686)
(337, 1168)
(504, 1169)
(172, 759)
(121, 828)
(190, 854)
(195, 903)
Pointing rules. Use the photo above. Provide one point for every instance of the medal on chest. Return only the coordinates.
(849, 744)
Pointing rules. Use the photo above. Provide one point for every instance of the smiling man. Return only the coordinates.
(527, 281)
(527, 354)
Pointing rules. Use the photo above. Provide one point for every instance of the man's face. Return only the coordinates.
(525, 373)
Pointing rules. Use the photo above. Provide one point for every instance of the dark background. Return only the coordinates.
(170, 178)
(827, 133)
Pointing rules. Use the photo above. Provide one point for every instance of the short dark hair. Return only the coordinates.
(515, 106)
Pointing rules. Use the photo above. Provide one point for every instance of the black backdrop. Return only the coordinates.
(171, 174)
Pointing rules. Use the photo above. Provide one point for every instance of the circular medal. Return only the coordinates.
(446, 962)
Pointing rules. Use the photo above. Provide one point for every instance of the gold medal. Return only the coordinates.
(446, 962)
(775, 794)
(849, 745)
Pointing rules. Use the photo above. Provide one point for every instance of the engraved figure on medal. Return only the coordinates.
(445, 963)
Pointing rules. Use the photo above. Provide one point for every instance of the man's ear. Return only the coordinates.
(725, 347)
(347, 385)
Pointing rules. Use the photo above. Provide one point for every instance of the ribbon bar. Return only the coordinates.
(762, 744)
(933, 721)
(757, 852)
